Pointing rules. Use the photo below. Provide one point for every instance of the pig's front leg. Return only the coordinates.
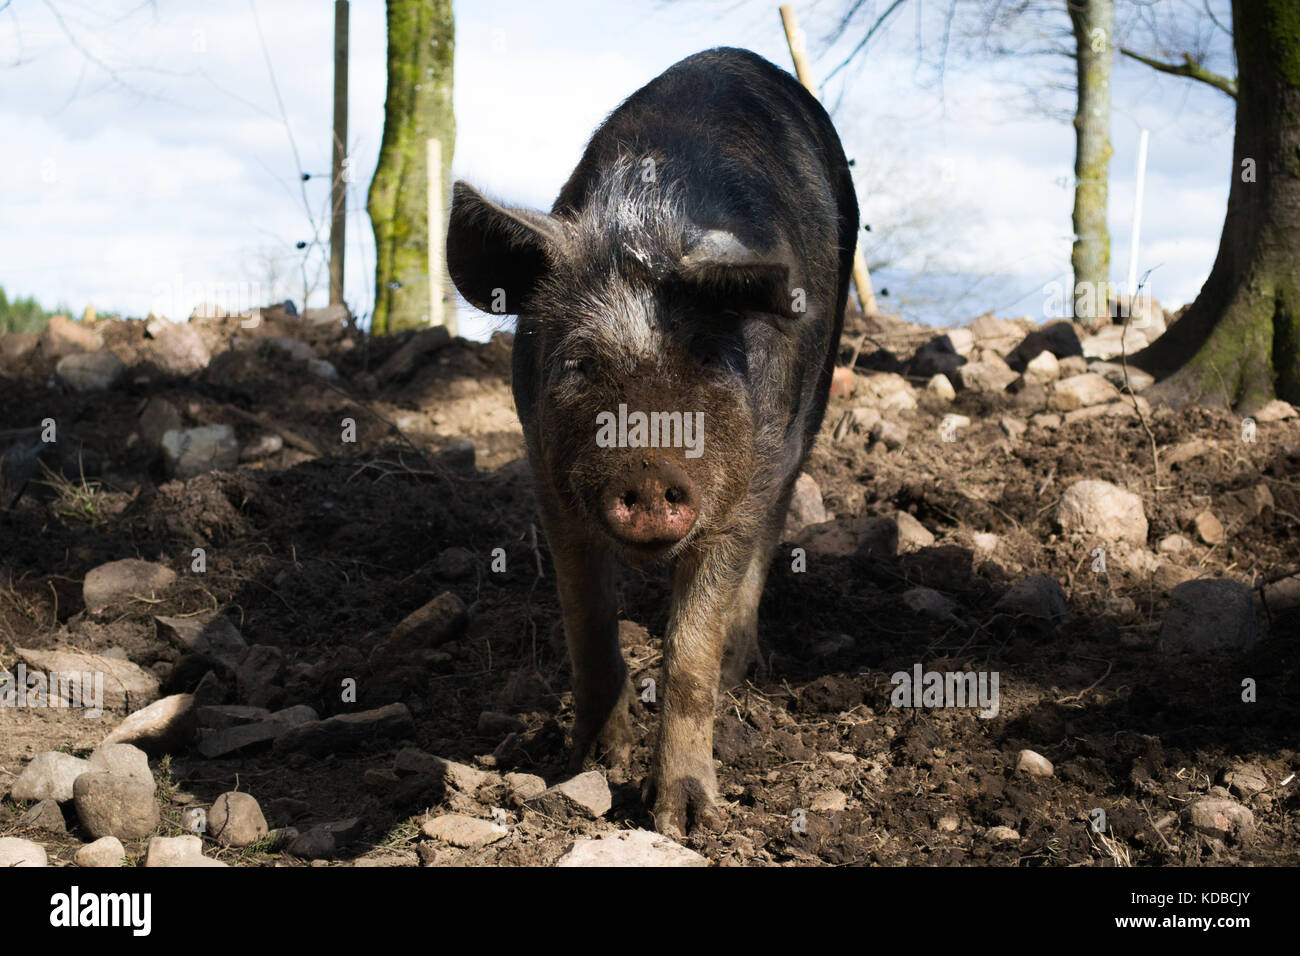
(682, 783)
(602, 693)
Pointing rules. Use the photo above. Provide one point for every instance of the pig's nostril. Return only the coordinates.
(674, 496)
(629, 499)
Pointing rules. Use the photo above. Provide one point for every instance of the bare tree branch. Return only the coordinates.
(1189, 68)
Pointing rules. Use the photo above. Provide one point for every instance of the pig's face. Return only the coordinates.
(652, 334)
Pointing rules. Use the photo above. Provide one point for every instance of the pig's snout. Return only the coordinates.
(650, 504)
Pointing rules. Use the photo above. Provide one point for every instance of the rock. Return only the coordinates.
(524, 786)
(1038, 596)
(936, 357)
(1208, 614)
(63, 336)
(441, 620)
(346, 731)
(985, 541)
(1121, 408)
(110, 805)
(1013, 428)
(263, 446)
(1049, 421)
(49, 776)
(947, 823)
(104, 852)
(1173, 544)
(862, 535)
(1208, 528)
(455, 564)
(124, 760)
(322, 368)
(318, 843)
(1185, 451)
(1221, 817)
(1113, 372)
(458, 775)
(829, 801)
(890, 434)
(241, 737)
(158, 418)
(494, 724)
(586, 795)
(1042, 369)
(193, 451)
(805, 505)
(43, 815)
(992, 332)
(1034, 764)
(178, 349)
(125, 684)
(210, 634)
(165, 726)
(1275, 411)
(1072, 365)
(1244, 781)
(90, 371)
(177, 851)
(1249, 503)
(328, 320)
(940, 388)
(929, 602)
(886, 391)
(1104, 510)
(295, 349)
(236, 820)
(630, 848)
(15, 853)
(463, 831)
(119, 581)
(840, 760)
(258, 675)
(984, 376)
(414, 354)
(1080, 391)
(1114, 340)
(912, 535)
(17, 347)
(1001, 835)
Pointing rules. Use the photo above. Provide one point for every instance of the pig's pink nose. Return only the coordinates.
(655, 505)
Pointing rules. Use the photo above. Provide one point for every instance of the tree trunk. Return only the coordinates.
(1238, 346)
(1093, 22)
(418, 107)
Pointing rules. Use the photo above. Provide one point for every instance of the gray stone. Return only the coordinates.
(165, 726)
(104, 852)
(1104, 510)
(463, 831)
(65, 336)
(586, 795)
(15, 852)
(210, 634)
(912, 535)
(1034, 764)
(441, 620)
(1210, 614)
(258, 675)
(316, 844)
(984, 376)
(49, 776)
(236, 820)
(1038, 596)
(630, 848)
(177, 851)
(524, 786)
(1218, 815)
(125, 760)
(90, 371)
(1113, 372)
(179, 349)
(458, 775)
(193, 451)
(929, 602)
(109, 805)
(806, 505)
(119, 581)
(1001, 835)
(1079, 391)
(940, 388)
(346, 731)
(44, 815)
(223, 716)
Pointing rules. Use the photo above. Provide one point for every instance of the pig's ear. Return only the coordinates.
(496, 255)
(723, 272)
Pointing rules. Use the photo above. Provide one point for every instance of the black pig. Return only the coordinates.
(679, 314)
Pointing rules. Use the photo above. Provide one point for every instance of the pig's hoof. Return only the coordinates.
(682, 806)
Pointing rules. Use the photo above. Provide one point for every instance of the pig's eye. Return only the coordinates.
(575, 366)
(725, 359)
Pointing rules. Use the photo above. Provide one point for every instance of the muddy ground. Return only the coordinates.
(321, 555)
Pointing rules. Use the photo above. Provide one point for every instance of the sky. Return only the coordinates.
(148, 164)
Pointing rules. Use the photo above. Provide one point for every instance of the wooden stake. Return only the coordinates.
(799, 54)
(338, 188)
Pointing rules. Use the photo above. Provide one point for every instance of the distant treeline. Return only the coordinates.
(22, 315)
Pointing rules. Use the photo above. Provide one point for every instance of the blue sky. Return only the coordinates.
(175, 177)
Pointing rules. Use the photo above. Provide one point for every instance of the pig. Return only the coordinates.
(679, 314)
